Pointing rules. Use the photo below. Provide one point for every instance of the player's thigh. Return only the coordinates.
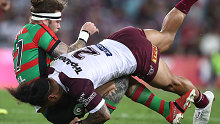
(105, 88)
(118, 85)
(162, 40)
(133, 84)
(164, 78)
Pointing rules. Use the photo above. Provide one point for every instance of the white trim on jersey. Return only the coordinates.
(55, 76)
(98, 106)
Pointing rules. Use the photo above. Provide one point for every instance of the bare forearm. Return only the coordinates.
(87, 29)
(77, 45)
(62, 48)
(121, 86)
(99, 117)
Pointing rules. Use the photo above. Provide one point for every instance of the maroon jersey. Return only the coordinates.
(81, 90)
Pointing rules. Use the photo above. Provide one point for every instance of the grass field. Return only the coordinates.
(127, 112)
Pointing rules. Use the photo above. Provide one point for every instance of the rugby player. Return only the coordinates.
(163, 45)
(126, 52)
(36, 44)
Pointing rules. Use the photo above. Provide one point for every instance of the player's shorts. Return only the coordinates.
(146, 54)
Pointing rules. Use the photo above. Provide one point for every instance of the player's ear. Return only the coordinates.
(46, 22)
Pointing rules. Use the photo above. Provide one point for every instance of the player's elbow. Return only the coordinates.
(108, 116)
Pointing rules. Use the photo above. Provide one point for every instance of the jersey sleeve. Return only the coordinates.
(49, 40)
(46, 39)
(83, 91)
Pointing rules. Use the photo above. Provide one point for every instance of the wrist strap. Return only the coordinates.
(84, 35)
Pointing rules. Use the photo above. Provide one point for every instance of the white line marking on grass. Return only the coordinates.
(138, 116)
(142, 116)
(215, 119)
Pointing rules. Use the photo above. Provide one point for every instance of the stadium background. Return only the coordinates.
(195, 53)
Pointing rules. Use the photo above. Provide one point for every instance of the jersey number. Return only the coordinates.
(19, 47)
(87, 50)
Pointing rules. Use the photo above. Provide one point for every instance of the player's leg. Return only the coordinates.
(141, 94)
(170, 110)
(113, 92)
(165, 80)
(164, 38)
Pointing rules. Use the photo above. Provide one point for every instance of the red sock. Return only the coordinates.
(201, 101)
(185, 5)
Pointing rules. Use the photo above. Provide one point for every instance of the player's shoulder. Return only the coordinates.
(32, 26)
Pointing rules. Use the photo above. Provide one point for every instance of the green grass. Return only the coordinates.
(127, 112)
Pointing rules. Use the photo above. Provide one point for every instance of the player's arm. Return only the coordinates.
(87, 29)
(164, 38)
(98, 117)
(83, 91)
(101, 116)
(114, 90)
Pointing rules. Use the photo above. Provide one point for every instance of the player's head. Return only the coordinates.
(40, 92)
(5, 5)
(47, 12)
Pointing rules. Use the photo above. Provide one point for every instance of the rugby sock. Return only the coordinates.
(111, 105)
(145, 97)
(185, 5)
(202, 101)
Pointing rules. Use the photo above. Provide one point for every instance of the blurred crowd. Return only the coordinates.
(199, 34)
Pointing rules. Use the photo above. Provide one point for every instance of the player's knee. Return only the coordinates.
(165, 48)
(165, 45)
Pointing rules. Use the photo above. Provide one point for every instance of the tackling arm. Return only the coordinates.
(63, 48)
(112, 91)
(101, 116)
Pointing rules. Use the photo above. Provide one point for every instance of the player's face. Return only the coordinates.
(56, 94)
(54, 25)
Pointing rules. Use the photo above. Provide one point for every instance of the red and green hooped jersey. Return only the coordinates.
(32, 51)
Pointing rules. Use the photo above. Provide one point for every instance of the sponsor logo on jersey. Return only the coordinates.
(67, 61)
(86, 101)
(154, 53)
(104, 49)
(78, 110)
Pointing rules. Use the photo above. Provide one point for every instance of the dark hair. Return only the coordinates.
(34, 93)
(47, 6)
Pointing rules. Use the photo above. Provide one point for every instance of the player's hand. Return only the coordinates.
(90, 27)
(74, 121)
(4, 5)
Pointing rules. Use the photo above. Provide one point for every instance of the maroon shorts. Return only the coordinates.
(146, 54)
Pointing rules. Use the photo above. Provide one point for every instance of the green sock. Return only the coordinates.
(144, 96)
(111, 105)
